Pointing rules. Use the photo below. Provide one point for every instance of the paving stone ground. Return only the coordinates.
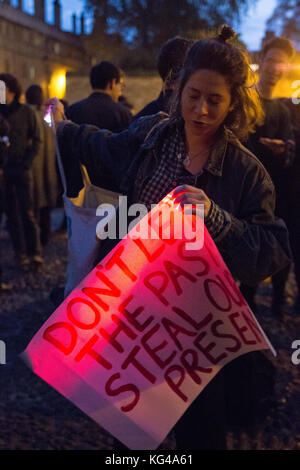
(34, 416)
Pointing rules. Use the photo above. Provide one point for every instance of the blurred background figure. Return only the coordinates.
(4, 144)
(102, 108)
(273, 144)
(45, 178)
(124, 102)
(293, 201)
(170, 60)
(24, 146)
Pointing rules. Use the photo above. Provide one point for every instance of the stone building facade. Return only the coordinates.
(38, 52)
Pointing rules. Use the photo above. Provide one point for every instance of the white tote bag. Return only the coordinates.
(83, 244)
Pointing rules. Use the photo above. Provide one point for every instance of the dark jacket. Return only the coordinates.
(45, 176)
(24, 135)
(100, 110)
(254, 245)
(277, 125)
(162, 103)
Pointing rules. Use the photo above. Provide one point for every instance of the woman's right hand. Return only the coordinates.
(57, 109)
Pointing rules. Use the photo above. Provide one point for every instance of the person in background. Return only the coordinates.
(197, 151)
(124, 102)
(24, 146)
(101, 108)
(45, 178)
(294, 194)
(169, 63)
(4, 144)
(273, 143)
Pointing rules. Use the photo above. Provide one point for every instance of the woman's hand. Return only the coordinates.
(277, 146)
(57, 108)
(190, 195)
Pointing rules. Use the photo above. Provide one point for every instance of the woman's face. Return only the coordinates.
(205, 103)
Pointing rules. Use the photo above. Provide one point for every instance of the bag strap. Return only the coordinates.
(58, 155)
(85, 176)
(84, 173)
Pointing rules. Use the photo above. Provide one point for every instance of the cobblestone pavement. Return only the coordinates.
(34, 416)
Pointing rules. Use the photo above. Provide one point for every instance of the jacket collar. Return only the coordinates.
(215, 161)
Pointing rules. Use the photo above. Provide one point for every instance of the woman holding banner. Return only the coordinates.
(196, 149)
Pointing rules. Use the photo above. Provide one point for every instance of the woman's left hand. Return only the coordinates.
(190, 195)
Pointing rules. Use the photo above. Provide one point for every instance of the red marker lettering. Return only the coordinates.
(150, 283)
(121, 328)
(175, 382)
(217, 334)
(114, 392)
(116, 260)
(131, 359)
(240, 329)
(208, 290)
(65, 348)
(150, 256)
(87, 350)
(192, 366)
(91, 317)
(175, 272)
(174, 330)
(152, 351)
(132, 316)
(94, 292)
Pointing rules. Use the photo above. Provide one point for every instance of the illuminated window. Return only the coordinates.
(57, 86)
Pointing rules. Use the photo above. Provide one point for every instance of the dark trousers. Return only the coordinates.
(21, 222)
(1, 212)
(43, 217)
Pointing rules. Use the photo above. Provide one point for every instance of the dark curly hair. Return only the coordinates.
(232, 62)
(278, 42)
(171, 57)
(34, 95)
(12, 84)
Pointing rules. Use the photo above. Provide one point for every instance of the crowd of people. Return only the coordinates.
(213, 131)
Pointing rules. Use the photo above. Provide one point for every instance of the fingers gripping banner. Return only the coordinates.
(142, 335)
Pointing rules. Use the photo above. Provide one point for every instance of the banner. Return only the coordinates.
(142, 335)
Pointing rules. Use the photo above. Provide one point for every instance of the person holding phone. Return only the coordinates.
(24, 140)
(197, 150)
(274, 145)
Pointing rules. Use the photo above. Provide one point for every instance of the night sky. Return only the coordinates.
(251, 28)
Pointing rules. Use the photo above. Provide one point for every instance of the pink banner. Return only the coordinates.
(142, 335)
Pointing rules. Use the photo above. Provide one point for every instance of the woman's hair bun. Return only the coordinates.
(226, 33)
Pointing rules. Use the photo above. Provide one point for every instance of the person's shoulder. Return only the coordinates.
(27, 108)
(248, 162)
(150, 109)
(122, 109)
(78, 104)
(143, 125)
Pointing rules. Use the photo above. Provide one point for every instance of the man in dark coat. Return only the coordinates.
(4, 144)
(273, 143)
(294, 194)
(24, 145)
(100, 109)
(169, 62)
